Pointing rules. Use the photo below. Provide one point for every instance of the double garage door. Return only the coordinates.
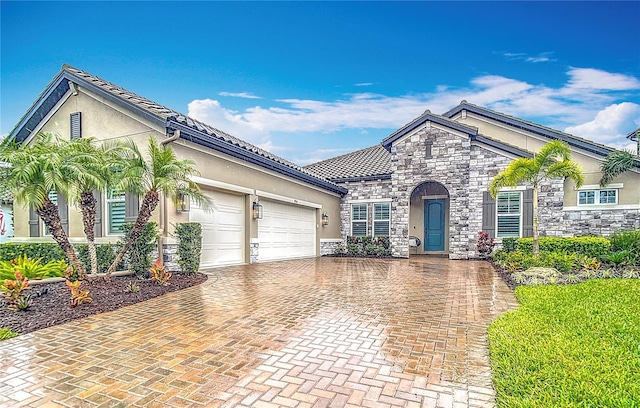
(286, 231)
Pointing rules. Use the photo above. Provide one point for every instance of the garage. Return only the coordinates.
(223, 229)
(286, 231)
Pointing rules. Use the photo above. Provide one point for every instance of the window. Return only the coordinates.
(509, 214)
(381, 219)
(359, 220)
(115, 212)
(597, 197)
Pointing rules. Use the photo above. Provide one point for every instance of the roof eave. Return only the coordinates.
(572, 141)
(203, 139)
(419, 121)
(373, 177)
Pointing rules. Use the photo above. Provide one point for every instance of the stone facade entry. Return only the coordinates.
(429, 217)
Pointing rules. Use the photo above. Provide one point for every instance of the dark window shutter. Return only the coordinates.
(97, 229)
(76, 127)
(527, 213)
(34, 222)
(488, 214)
(131, 207)
(63, 209)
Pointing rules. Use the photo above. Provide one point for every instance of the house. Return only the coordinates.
(236, 175)
(430, 180)
(427, 181)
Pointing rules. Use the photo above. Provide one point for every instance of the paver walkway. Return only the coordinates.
(324, 332)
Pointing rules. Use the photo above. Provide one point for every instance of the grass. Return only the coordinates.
(6, 333)
(569, 346)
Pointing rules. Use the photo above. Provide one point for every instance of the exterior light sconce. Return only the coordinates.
(325, 219)
(257, 210)
(183, 203)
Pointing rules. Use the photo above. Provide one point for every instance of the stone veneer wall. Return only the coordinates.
(328, 246)
(602, 222)
(362, 190)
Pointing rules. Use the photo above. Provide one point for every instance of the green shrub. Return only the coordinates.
(627, 240)
(595, 247)
(569, 346)
(509, 244)
(368, 246)
(189, 246)
(31, 268)
(519, 261)
(44, 251)
(139, 255)
(106, 253)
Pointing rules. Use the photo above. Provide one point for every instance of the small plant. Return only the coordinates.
(618, 258)
(509, 244)
(6, 333)
(591, 264)
(31, 268)
(131, 287)
(485, 245)
(12, 291)
(78, 296)
(159, 274)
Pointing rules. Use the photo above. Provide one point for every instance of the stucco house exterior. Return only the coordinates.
(427, 180)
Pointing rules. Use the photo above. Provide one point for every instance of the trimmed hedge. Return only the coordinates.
(139, 255)
(106, 253)
(189, 246)
(597, 247)
(48, 252)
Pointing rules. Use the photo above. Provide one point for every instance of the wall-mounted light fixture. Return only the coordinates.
(257, 210)
(325, 219)
(183, 202)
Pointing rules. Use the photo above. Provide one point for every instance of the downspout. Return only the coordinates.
(164, 217)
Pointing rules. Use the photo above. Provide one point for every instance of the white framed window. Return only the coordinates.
(598, 197)
(509, 214)
(381, 219)
(53, 197)
(115, 212)
(359, 220)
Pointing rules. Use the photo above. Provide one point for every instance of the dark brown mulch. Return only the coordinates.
(50, 301)
(505, 275)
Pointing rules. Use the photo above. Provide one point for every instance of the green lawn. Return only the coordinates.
(569, 346)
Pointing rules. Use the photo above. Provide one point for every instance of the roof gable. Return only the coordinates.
(531, 127)
(191, 129)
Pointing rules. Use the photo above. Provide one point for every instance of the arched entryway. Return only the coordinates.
(429, 219)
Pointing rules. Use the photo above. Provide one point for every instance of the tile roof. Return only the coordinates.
(164, 117)
(547, 132)
(371, 163)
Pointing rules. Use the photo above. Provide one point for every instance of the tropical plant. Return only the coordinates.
(90, 168)
(34, 171)
(618, 162)
(138, 257)
(161, 172)
(485, 245)
(12, 292)
(552, 161)
(159, 273)
(31, 268)
(78, 296)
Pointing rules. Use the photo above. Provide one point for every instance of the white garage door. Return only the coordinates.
(222, 229)
(286, 231)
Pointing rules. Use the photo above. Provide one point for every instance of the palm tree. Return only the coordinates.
(91, 168)
(161, 172)
(34, 171)
(552, 161)
(620, 161)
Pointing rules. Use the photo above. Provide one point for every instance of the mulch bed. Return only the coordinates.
(505, 275)
(51, 301)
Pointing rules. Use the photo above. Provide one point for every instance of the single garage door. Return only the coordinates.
(222, 229)
(286, 231)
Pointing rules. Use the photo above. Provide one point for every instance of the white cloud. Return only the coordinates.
(364, 84)
(246, 95)
(610, 125)
(542, 57)
(590, 104)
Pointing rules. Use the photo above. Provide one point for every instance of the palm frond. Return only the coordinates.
(616, 163)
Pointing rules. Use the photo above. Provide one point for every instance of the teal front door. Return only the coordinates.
(434, 230)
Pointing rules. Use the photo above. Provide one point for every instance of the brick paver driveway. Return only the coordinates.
(315, 332)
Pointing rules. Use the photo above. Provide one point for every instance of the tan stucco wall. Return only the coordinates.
(105, 121)
(628, 195)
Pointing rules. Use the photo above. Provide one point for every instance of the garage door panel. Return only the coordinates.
(286, 231)
(222, 229)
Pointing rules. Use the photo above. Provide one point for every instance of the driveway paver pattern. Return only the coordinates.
(320, 332)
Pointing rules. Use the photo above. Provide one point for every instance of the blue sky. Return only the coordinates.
(309, 81)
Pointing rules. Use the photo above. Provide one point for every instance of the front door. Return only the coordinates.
(434, 230)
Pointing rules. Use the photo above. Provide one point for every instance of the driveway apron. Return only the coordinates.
(318, 332)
